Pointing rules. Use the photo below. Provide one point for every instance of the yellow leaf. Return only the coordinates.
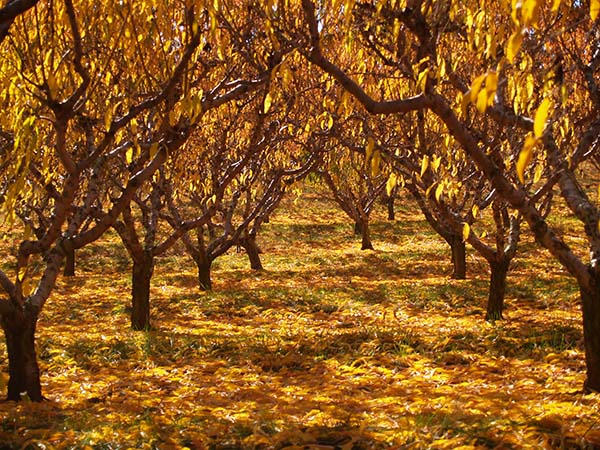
(438, 192)
(475, 211)
(530, 12)
(441, 69)
(422, 80)
(514, 43)
(541, 115)
(525, 156)
(27, 287)
(555, 5)
(375, 163)
(435, 164)
(268, 101)
(594, 9)
(424, 164)
(482, 101)
(491, 85)
(153, 150)
(129, 155)
(429, 189)
(466, 231)
(391, 184)
(515, 8)
(476, 87)
(529, 85)
(370, 148)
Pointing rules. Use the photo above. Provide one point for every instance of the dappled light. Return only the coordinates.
(299, 225)
(327, 346)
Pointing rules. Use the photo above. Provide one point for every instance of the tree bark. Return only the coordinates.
(459, 257)
(390, 207)
(23, 369)
(253, 252)
(204, 280)
(69, 270)
(495, 305)
(140, 292)
(366, 243)
(590, 300)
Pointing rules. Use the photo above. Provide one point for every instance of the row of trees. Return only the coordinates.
(189, 121)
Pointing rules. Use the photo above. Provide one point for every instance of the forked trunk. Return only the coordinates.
(23, 369)
(140, 292)
(591, 332)
(69, 270)
(495, 305)
(459, 257)
(253, 252)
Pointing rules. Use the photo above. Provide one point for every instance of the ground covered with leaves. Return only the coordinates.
(329, 347)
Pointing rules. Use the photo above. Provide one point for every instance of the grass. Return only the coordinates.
(329, 347)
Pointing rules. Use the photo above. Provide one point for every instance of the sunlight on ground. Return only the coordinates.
(328, 348)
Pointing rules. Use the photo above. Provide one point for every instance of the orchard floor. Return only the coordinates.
(329, 347)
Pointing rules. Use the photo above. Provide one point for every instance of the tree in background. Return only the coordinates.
(88, 86)
(509, 73)
(240, 177)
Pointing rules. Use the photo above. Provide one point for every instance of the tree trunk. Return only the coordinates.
(357, 228)
(140, 292)
(253, 252)
(23, 369)
(390, 207)
(204, 280)
(495, 304)
(69, 270)
(365, 235)
(591, 332)
(459, 257)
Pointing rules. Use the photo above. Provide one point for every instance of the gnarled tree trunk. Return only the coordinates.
(141, 275)
(495, 305)
(590, 300)
(23, 369)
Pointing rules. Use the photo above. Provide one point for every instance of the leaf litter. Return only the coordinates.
(329, 348)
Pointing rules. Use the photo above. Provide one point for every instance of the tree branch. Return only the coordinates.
(315, 56)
